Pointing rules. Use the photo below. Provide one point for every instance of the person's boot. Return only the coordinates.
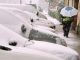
(64, 35)
(67, 36)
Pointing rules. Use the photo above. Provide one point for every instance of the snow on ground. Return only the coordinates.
(73, 41)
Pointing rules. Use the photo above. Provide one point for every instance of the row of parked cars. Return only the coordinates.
(25, 35)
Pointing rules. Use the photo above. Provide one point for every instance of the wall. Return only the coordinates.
(78, 19)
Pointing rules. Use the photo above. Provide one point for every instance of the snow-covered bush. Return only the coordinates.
(56, 15)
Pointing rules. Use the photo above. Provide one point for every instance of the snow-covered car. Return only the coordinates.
(21, 53)
(51, 22)
(29, 17)
(23, 7)
(14, 46)
(15, 23)
(44, 27)
(40, 34)
(32, 9)
(49, 18)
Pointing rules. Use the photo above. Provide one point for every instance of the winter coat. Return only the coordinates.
(66, 20)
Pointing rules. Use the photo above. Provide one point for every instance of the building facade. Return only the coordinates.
(78, 19)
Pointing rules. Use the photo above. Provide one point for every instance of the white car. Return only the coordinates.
(15, 23)
(29, 9)
(23, 7)
(21, 53)
(49, 18)
(41, 34)
(32, 9)
(27, 16)
(14, 46)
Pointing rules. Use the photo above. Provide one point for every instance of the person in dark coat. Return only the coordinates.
(66, 21)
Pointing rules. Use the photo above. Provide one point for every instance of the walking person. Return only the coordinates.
(66, 21)
(67, 12)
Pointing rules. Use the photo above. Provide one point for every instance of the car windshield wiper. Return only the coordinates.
(5, 48)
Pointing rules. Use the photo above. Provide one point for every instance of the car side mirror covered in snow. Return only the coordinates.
(13, 43)
(23, 28)
(32, 20)
(5, 48)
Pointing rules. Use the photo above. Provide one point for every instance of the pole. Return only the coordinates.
(48, 6)
(20, 2)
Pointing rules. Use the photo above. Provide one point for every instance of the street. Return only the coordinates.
(73, 41)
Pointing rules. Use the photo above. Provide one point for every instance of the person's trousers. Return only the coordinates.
(66, 29)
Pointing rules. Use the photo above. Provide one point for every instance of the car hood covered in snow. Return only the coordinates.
(21, 53)
(63, 52)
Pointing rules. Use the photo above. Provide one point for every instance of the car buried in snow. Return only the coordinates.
(13, 47)
(31, 10)
(29, 17)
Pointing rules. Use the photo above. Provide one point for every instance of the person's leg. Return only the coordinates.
(64, 30)
(67, 30)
